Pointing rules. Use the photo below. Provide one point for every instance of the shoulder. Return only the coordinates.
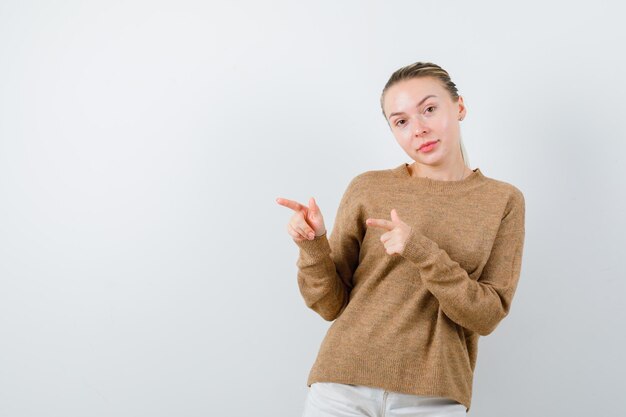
(504, 188)
(363, 185)
(370, 178)
(510, 198)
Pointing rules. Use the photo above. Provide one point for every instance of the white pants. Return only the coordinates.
(331, 399)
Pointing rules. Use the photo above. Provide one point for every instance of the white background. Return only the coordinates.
(145, 267)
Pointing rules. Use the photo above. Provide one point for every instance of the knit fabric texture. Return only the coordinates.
(410, 322)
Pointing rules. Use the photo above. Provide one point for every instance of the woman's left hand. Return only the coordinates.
(397, 232)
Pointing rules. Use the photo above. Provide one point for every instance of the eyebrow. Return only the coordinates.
(418, 104)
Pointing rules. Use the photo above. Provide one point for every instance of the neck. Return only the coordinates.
(453, 173)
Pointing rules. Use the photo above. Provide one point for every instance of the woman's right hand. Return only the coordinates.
(307, 222)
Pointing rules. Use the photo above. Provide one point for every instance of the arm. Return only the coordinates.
(476, 305)
(326, 265)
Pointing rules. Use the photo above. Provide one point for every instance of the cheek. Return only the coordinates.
(443, 124)
(401, 137)
(447, 128)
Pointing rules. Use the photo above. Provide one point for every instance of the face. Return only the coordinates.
(420, 110)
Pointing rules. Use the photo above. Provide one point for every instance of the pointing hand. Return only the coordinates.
(397, 232)
(307, 222)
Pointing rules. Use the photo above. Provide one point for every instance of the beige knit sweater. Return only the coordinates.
(410, 322)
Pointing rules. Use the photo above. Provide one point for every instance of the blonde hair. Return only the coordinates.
(425, 69)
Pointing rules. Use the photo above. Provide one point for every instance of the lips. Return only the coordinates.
(426, 144)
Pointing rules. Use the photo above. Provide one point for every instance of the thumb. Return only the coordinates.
(394, 216)
(313, 205)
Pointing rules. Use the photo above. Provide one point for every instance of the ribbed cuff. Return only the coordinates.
(418, 247)
(317, 248)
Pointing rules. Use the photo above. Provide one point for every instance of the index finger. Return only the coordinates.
(382, 223)
(294, 205)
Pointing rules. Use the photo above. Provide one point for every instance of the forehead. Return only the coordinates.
(406, 94)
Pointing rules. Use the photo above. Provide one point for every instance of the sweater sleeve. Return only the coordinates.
(326, 264)
(478, 305)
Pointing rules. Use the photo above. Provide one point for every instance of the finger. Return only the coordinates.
(394, 216)
(392, 250)
(301, 225)
(302, 228)
(305, 231)
(382, 223)
(292, 232)
(313, 204)
(395, 248)
(294, 205)
(390, 237)
(386, 236)
(295, 234)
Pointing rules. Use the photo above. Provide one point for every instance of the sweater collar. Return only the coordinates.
(440, 186)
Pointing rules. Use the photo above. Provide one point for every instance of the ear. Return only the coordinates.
(462, 108)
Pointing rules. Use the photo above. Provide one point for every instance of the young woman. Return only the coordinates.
(423, 259)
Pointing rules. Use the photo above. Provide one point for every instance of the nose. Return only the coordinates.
(420, 126)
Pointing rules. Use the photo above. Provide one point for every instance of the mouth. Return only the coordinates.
(426, 144)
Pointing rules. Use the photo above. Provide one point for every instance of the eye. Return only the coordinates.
(398, 122)
(431, 107)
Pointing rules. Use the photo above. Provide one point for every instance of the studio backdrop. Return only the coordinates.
(145, 266)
